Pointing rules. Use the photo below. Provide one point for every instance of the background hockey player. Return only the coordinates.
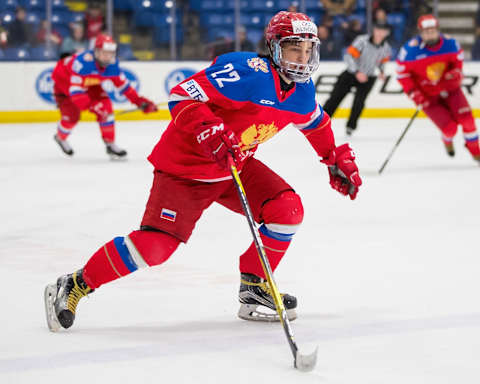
(230, 108)
(363, 57)
(430, 72)
(78, 87)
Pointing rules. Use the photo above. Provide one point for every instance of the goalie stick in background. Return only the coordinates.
(78, 87)
(429, 68)
(240, 101)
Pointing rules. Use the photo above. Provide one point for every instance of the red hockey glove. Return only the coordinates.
(217, 142)
(419, 98)
(146, 105)
(81, 100)
(343, 171)
(452, 79)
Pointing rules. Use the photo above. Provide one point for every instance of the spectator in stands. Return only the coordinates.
(262, 44)
(328, 49)
(76, 42)
(380, 17)
(19, 31)
(339, 7)
(351, 29)
(41, 36)
(293, 7)
(387, 5)
(3, 36)
(94, 22)
(476, 45)
(228, 45)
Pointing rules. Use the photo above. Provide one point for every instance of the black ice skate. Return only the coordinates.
(64, 145)
(61, 300)
(115, 152)
(450, 149)
(349, 131)
(254, 293)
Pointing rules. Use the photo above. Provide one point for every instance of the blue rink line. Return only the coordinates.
(241, 337)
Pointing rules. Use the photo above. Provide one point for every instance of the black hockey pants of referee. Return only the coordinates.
(344, 83)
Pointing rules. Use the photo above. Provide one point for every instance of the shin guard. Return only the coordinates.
(124, 255)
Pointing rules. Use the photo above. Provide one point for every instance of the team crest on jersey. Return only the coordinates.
(88, 57)
(255, 135)
(435, 71)
(258, 64)
(89, 81)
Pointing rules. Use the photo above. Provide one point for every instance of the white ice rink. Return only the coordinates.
(388, 285)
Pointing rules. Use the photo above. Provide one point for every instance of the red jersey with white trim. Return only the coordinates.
(244, 91)
(420, 67)
(74, 75)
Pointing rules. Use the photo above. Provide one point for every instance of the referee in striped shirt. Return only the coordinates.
(362, 58)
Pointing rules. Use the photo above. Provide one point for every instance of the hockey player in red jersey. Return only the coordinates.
(430, 72)
(78, 87)
(229, 108)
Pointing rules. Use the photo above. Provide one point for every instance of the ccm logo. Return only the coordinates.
(267, 102)
(209, 132)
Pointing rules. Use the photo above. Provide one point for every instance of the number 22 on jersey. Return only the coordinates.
(227, 75)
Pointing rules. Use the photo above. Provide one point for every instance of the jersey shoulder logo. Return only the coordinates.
(88, 57)
(413, 43)
(194, 90)
(258, 64)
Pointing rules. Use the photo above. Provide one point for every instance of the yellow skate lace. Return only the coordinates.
(264, 286)
(76, 294)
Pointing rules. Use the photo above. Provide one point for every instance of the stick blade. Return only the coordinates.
(306, 363)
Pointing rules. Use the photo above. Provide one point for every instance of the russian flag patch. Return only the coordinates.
(168, 214)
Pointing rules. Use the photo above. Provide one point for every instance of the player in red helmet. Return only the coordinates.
(78, 86)
(240, 101)
(430, 72)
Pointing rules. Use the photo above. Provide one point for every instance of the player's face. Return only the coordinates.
(430, 35)
(297, 51)
(104, 57)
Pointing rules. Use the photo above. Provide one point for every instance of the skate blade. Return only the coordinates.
(306, 363)
(52, 321)
(117, 158)
(251, 312)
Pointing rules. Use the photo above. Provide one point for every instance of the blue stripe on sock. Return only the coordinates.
(125, 254)
(275, 235)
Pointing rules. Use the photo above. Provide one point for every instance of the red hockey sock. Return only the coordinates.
(275, 249)
(108, 131)
(64, 129)
(282, 216)
(124, 255)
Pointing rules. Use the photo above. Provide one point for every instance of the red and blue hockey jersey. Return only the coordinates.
(423, 67)
(75, 75)
(244, 91)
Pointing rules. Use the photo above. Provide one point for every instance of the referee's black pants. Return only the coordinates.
(343, 85)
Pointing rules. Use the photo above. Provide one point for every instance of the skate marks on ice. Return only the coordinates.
(219, 337)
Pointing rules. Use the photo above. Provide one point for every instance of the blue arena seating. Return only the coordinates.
(161, 34)
(42, 53)
(6, 17)
(125, 52)
(14, 54)
(34, 4)
(8, 4)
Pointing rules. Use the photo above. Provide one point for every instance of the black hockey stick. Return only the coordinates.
(399, 141)
(301, 362)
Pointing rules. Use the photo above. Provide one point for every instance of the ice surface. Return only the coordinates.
(387, 285)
